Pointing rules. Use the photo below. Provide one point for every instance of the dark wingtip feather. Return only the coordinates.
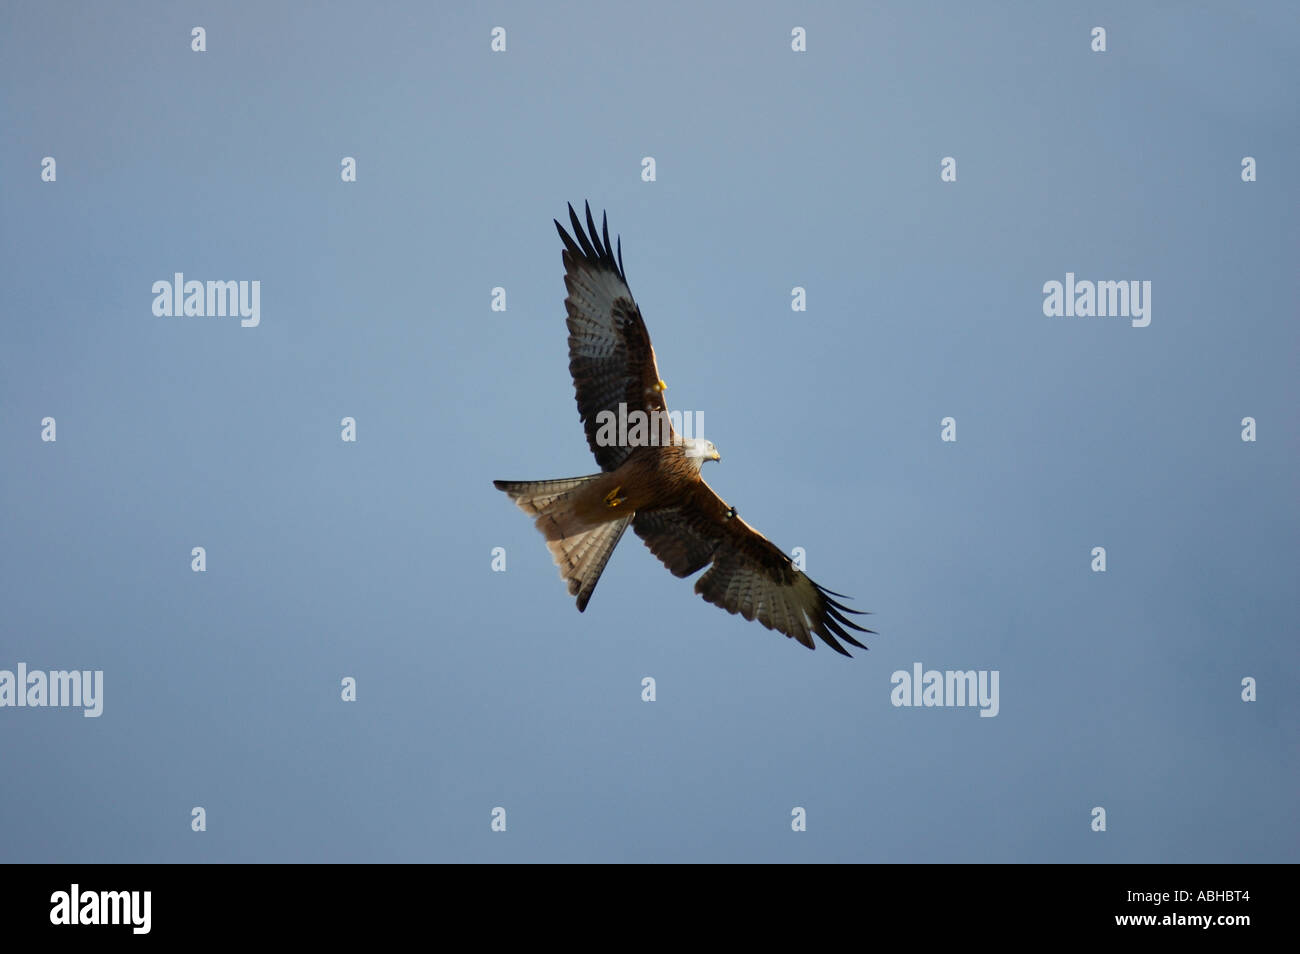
(848, 609)
(603, 254)
(832, 613)
(581, 236)
(842, 633)
(836, 608)
(567, 239)
(834, 621)
(827, 592)
(591, 243)
(829, 640)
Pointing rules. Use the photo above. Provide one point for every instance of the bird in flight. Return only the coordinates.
(651, 484)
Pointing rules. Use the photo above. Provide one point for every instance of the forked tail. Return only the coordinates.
(580, 547)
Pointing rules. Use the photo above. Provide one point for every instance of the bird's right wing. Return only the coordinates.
(610, 355)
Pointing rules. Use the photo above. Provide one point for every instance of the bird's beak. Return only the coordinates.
(716, 456)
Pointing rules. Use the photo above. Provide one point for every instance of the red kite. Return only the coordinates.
(654, 485)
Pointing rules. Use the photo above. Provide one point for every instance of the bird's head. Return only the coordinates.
(697, 448)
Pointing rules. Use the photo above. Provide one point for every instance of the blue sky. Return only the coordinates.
(774, 169)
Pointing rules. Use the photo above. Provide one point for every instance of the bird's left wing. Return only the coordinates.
(749, 573)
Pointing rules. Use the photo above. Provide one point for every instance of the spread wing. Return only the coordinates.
(749, 574)
(610, 356)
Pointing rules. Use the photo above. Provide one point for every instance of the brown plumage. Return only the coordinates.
(655, 487)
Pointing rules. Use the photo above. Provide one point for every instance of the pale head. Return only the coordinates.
(697, 448)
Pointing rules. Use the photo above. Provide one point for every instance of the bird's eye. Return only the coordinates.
(731, 512)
